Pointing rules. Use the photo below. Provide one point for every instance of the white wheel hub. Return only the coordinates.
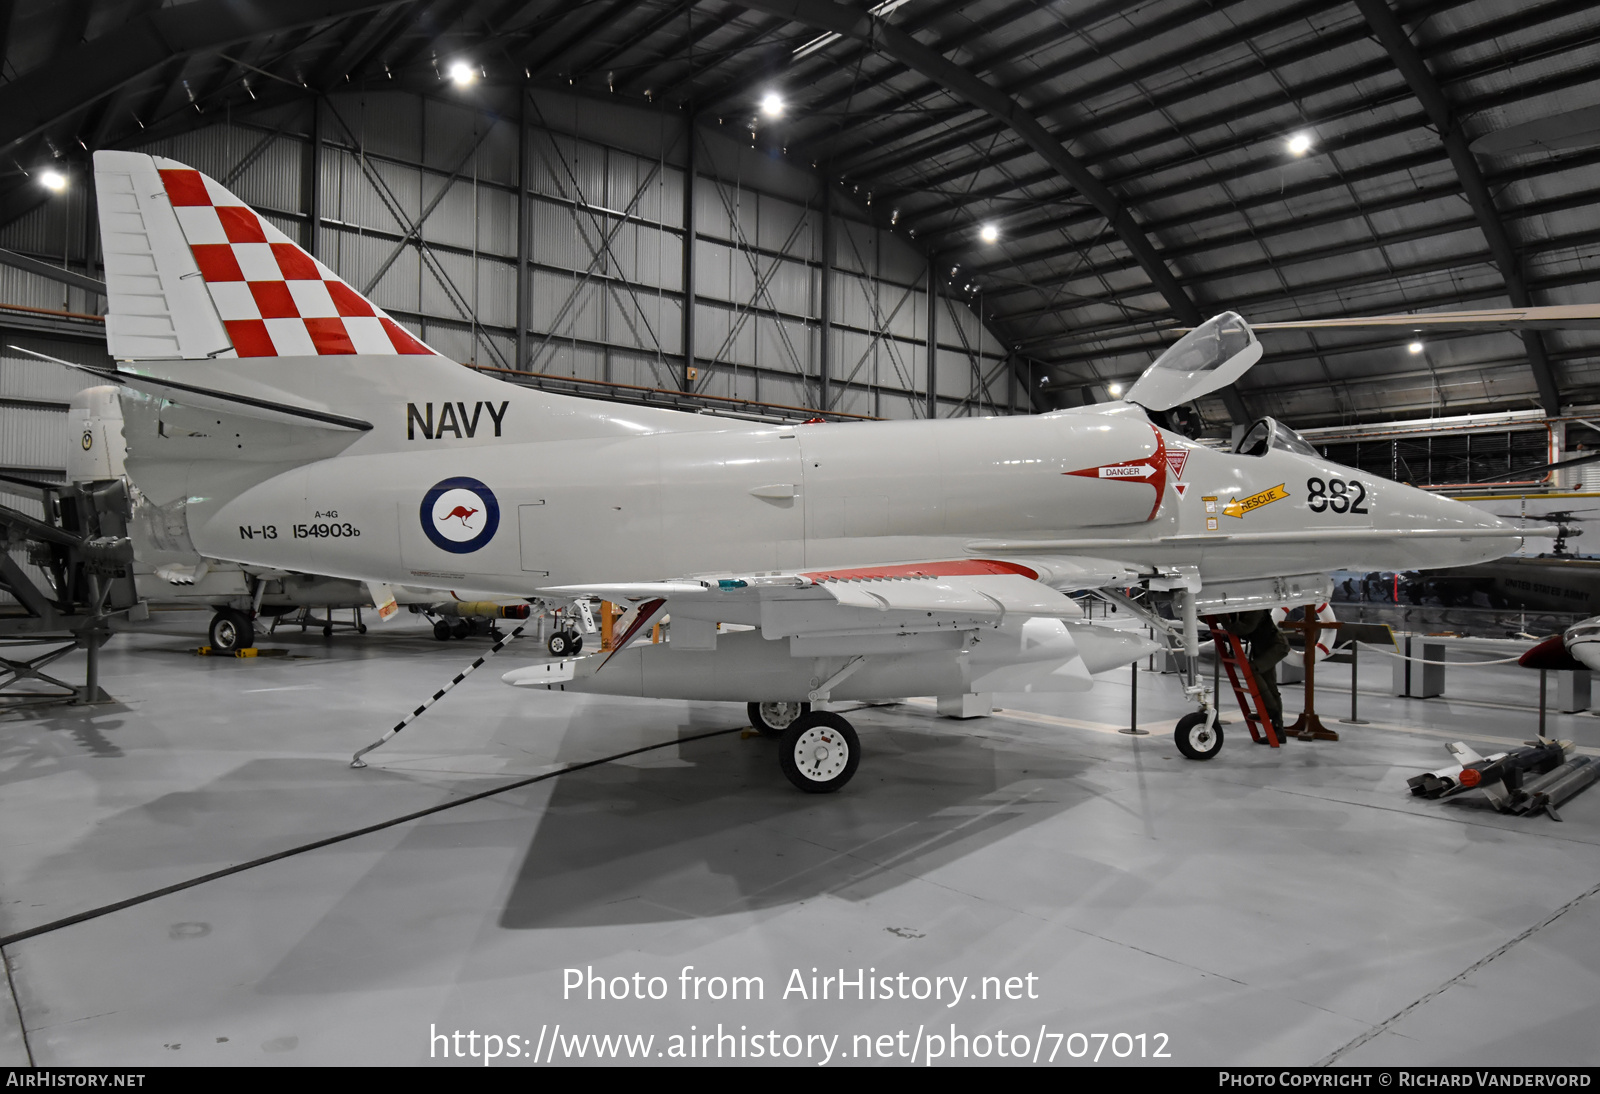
(821, 753)
(1202, 736)
(779, 716)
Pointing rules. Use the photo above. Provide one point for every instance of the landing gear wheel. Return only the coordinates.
(232, 630)
(1197, 740)
(560, 644)
(820, 752)
(361, 628)
(441, 630)
(460, 628)
(327, 630)
(771, 719)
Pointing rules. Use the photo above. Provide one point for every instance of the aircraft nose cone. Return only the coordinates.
(1485, 536)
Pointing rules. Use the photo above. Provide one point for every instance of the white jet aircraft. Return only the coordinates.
(96, 451)
(276, 418)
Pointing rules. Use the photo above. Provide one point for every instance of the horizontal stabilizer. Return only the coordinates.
(202, 398)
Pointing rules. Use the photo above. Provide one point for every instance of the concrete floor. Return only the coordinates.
(1269, 907)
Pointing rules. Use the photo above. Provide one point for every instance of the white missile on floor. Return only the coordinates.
(1447, 780)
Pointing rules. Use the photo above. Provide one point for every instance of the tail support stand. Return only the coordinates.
(356, 760)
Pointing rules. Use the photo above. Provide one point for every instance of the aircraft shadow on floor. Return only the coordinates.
(709, 828)
(716, 829)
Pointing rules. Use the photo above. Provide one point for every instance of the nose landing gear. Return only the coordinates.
(1199, 735)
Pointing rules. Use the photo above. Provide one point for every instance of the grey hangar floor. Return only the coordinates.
(1275, 907)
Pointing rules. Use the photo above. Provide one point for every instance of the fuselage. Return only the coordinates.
(530, 489)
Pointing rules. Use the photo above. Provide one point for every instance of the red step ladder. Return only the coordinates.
(1230, 652)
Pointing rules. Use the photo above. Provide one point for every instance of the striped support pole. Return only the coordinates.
(357, 761)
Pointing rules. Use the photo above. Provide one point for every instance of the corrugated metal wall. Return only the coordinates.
(418, 199)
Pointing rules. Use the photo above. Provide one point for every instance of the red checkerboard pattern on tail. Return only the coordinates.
(273, 298)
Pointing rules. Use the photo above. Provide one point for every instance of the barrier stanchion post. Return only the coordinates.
(1542, 676)
(1133, 729)
(1355, 686)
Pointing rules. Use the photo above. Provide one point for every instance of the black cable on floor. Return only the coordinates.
(16, 1002)
(107, 909)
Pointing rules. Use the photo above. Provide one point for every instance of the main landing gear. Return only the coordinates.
(564, 642)
(819, 751)
(232, 630)
(772, 719)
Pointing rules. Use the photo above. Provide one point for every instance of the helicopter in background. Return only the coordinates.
(1559, 580)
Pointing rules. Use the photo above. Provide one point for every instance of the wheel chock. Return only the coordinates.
(211, 651)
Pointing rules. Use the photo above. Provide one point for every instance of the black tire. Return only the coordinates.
(460, 628)
(559, 645)
(820, 752)
(231, 630)
(361, 628)
(575, 640)
(441, 630)
(776, 717)
(1193, 738)
(327, 630)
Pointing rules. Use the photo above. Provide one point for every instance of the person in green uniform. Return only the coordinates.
(1268, 646)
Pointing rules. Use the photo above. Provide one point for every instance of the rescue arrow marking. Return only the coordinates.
(1239, 507)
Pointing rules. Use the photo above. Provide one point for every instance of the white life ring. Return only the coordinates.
(1324, 614)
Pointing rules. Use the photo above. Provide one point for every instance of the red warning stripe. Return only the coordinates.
(960, 567)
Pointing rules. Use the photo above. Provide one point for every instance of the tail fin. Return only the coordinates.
(193, 273)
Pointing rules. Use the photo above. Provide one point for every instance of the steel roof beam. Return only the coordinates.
(1421, 303)
(539, 54)
(1534, 169)
(1121, 79)
(1409, 61)
(1259, 232)
(1234, 111)
(852, 23)
(634, 39)
(47, 95)
(847, 54)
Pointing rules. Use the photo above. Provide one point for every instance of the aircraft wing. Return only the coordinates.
(904, 599)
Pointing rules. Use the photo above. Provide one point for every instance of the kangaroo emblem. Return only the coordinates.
(459, 511)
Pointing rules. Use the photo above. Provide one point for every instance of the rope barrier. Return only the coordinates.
(1425, 661)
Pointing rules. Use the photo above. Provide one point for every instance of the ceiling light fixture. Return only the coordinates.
(772, 104)
(1300, 144)
(1115, 390)
(989, 233)
(462, 73)
(53, 180)
(1414, 348)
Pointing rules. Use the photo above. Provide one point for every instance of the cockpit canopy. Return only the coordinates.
(1212, 356)
(1269, 433)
